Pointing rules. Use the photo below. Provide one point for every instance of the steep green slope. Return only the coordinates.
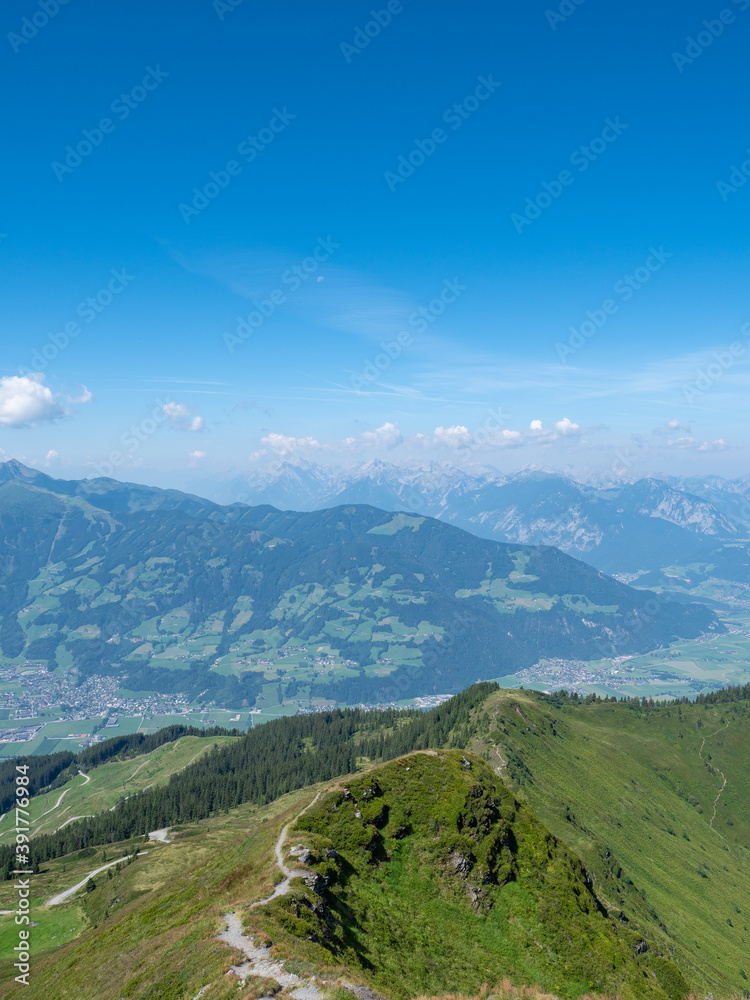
(657, 794)
(434, 878)
(148, 933)
(351, 604)
(490, 895)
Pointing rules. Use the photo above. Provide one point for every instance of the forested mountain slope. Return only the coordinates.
(352, 604)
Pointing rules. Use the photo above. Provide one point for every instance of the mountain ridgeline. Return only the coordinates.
(549, 844)
(170, 593)
(472, 888)
(620, 528)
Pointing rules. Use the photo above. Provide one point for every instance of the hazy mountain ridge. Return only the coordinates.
(642, 525)
(171, 593)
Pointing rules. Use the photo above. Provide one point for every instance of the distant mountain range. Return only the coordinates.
(172, 593)
(634, 528)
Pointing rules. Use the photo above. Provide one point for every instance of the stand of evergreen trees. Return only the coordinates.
(50, 771)
(135, 744)
(42, 772)
(278, 757)
(723, 696)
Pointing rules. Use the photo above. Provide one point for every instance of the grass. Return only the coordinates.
(627, 789)
(150, 931)
(630, 791)
(442, 881)
(55, 927)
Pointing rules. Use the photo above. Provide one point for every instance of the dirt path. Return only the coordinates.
(259, 962)
(52, 808)
(724, 782)
(62, 896)
(503, 765)
(88, 779)
(70, 820)
(143, 764)
(283, 887)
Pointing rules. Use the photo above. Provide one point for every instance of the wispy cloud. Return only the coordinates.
(348, 301)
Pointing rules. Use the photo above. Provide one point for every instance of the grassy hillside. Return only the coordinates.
(102, 787)
(441, 873)
(439, 880)
(148, 933)
(659, 795)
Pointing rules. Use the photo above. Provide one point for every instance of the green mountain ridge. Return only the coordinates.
(169, 593)
(529, 841)
(655, 792)
(434, 878)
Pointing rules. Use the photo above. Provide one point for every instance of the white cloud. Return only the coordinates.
(25, 401)
(284, 445)
(505, 438)
(567, 428)
(182, 416)
(491, 438)
(196, 457)
(387, 436)
(693, 444)
(453, 437)
(52, 456)
(487, 437)
(480, 439)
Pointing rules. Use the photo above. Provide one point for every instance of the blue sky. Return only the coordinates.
(215, 215)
